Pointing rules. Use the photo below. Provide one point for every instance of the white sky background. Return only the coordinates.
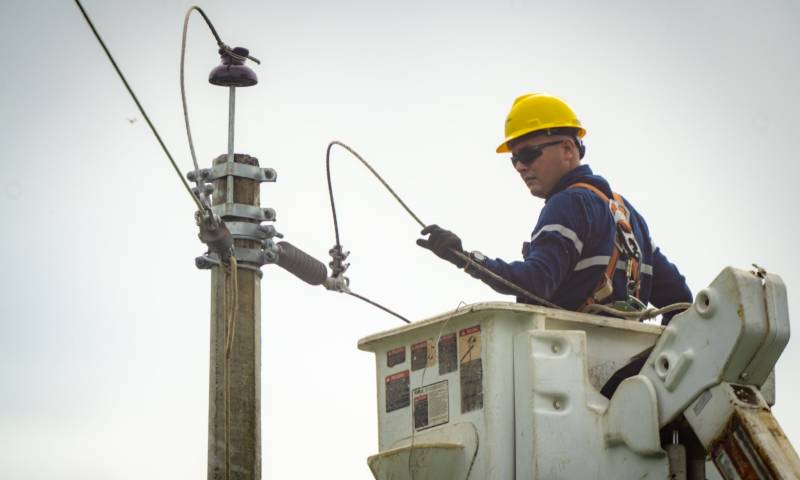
(691, 109)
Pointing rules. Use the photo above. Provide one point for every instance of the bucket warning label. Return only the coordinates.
(471, 378)
(448, 356)
(469, 343)
(397, 391)
(431, 405)
(471, 372)
(423, 354)
(396, 356)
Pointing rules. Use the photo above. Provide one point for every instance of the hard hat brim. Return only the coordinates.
(503, 148)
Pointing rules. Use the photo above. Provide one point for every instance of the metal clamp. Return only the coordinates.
(244, 211)
(241, 170)
(214, 233)
(338, 257)
(248, 258)
(209, 260)
(337, 284)
(255, 256)
(252, 231)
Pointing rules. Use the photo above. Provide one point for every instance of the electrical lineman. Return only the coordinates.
(589, 246)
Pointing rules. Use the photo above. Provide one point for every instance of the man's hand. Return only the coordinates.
(443, 243)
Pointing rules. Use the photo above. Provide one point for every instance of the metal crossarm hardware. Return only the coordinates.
(252, 231)
(240, 170)
(253, 212)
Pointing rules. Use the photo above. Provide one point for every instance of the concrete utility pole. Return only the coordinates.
(239, 245)
(234, 406)
(243, 430)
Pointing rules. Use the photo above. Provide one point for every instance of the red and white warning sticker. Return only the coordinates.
(469, 344)
(397, 391)
(431, 405)
(396, 356)
(448, 354)
(470, 372)
(423, 354)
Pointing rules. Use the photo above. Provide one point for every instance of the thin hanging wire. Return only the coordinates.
(197, 201)
(376, 304)
(221, 45)
(372, 170)
(470, 262)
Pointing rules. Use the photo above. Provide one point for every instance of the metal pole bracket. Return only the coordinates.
(240, 170)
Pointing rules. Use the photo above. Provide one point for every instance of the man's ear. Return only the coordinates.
(572, 154)
(581, 148)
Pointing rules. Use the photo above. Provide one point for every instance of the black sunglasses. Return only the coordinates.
(528, 155)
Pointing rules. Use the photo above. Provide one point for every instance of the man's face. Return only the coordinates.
(555, 161)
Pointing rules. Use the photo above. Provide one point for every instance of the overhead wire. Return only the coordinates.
(231, 269)
(373, 171)
(183, 88)
(200, 205)
(222, 46)
(470, 262)
(376, 304)
(336, 221)
(231, 297)
(638, 315)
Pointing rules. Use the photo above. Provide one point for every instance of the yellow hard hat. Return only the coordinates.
(538, 111)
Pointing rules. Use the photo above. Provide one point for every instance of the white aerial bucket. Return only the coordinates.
(505, 391)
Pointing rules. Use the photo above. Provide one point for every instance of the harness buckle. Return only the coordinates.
(604, 290)
(627, 243)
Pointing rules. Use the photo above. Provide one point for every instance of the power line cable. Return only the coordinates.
(497, 278)
(200, 204)
(222, 46)
(372, 170)
(183, 88)
(376, 304)
(336, 221)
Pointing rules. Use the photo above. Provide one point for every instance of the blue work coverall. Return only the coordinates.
(571, 246)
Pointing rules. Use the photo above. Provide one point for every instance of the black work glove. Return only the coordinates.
(442, 242)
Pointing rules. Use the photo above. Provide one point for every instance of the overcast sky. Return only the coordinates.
(691, 112)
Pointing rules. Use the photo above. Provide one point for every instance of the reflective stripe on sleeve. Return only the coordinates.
(565, 232)
(643, 268)
(602, 261)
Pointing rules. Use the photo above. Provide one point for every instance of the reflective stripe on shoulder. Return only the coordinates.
(602, 261)
(565, 232)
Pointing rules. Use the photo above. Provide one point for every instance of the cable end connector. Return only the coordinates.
(337, 284)
(202, 189)
(338, 256)
(214, 233)
(238, 53)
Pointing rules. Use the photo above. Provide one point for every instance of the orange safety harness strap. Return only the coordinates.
(624, 236)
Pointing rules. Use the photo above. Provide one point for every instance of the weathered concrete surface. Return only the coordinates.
(244, 457)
